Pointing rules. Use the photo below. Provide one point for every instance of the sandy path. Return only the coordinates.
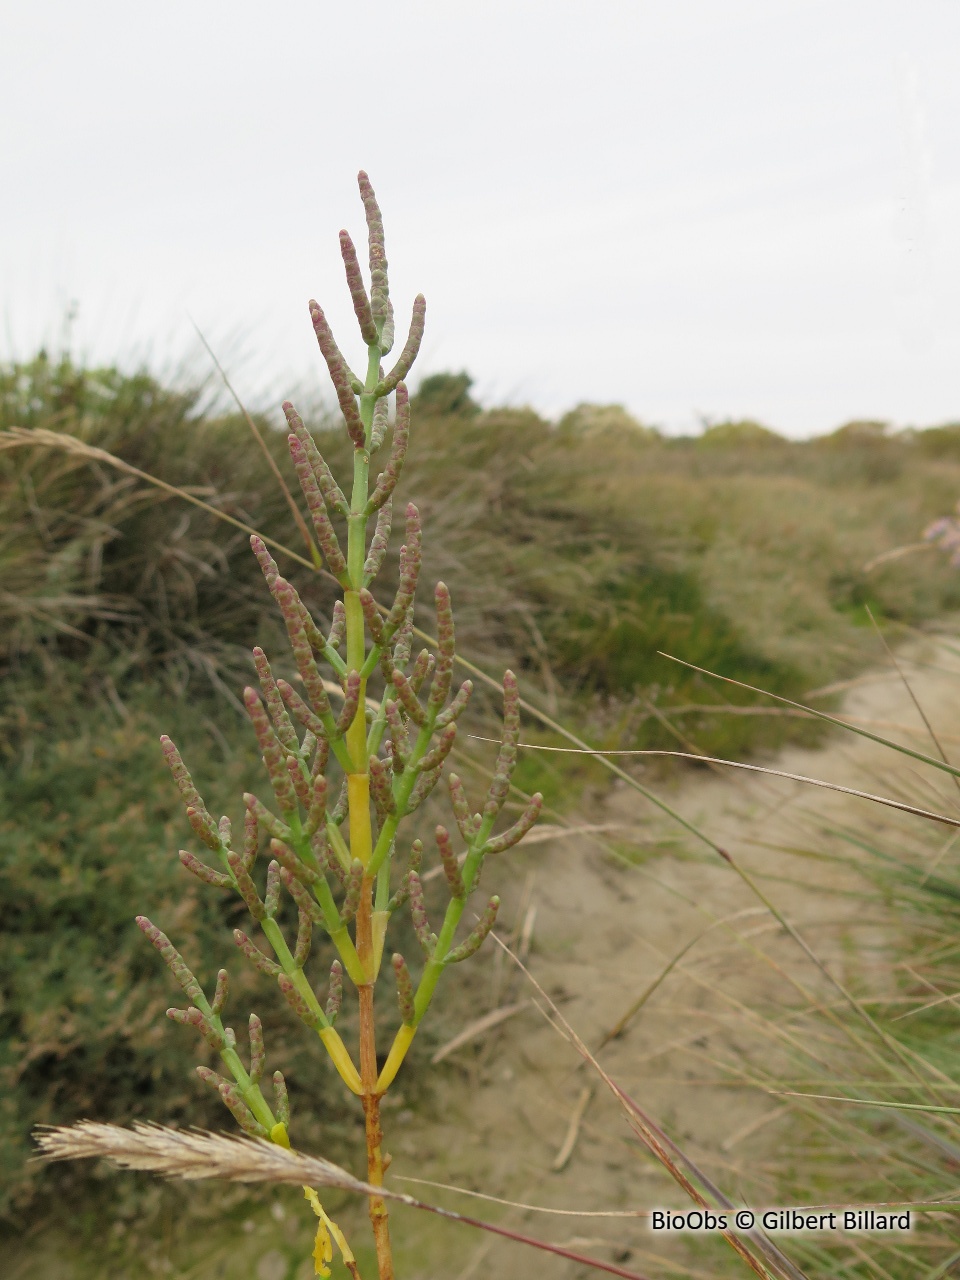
(602, 932)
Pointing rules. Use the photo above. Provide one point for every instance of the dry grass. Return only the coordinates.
(192, 1154)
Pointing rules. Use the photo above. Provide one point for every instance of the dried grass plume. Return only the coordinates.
(192, 1154)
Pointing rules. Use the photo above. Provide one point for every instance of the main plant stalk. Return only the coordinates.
(361, 834)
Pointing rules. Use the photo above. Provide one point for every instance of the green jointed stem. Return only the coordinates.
(370, 663)
(338, 844)
(290, 967)
(437, 962)
(403, 789)
(339, 934)
(321, 890)
(355, 637)
(348, 953)
(383, 887)
(251, 1092)
(377, 729)
(211, 1018)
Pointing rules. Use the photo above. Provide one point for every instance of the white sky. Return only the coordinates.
(691, 207)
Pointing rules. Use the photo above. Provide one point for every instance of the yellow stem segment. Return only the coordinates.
(378, 923)
(398, 1051)
(341, 1059)
(361, 833)
(279, 1135)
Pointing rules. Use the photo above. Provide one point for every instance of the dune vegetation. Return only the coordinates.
(577, 552)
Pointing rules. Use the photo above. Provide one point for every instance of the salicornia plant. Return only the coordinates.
(347, 773)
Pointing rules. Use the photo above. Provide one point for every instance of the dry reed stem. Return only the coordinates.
(573, 1131)
(271, 461)
(772, 1264)
(477, 1028)
(750, 768)
(16, 437)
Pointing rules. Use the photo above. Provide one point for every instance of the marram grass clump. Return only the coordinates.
(351, 754)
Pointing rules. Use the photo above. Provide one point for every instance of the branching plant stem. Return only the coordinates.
(317, 848)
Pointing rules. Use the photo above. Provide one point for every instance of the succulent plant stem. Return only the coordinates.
(320, 848)
(361, 831)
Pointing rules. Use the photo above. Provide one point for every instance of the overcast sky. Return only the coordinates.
(697, 208)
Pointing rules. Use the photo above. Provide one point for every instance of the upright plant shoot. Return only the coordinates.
(347, 770)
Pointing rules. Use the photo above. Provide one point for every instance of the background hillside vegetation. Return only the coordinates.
(126, 612)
